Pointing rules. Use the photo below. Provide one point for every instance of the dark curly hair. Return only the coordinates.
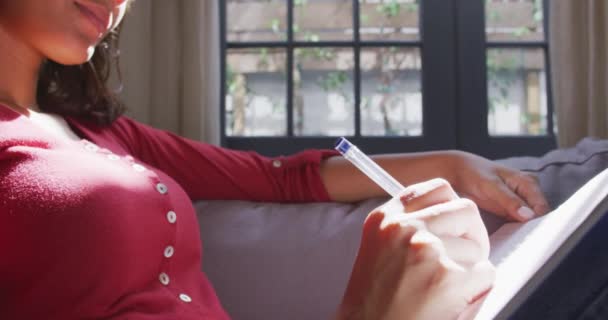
(83, 91)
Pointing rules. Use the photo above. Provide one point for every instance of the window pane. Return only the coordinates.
(517, 97)
(316, 20)
(323, 91)
(256, 20)
(391, 92)
(514, 21)
(255, 92)
(389, 19)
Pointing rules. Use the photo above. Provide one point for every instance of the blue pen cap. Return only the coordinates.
(343, 145)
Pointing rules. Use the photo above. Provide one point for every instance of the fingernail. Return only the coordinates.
(525, 213)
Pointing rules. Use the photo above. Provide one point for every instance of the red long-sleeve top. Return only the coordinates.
(104, 228)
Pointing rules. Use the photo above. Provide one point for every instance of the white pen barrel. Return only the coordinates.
(374, 171)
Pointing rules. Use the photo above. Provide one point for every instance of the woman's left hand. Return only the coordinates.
(503, 191)
(506, 192)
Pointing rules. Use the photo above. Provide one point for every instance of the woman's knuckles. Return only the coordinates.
(424, 247)
(415, 190)
(459, 206)
(427, 193)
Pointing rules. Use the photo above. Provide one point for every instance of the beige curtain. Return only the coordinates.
(579, 59)
(170, 64)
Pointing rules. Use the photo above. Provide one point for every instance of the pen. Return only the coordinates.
(369, 167)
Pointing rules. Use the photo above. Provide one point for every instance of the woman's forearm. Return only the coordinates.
(345, 183)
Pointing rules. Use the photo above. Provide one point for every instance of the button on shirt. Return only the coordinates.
(108, 224)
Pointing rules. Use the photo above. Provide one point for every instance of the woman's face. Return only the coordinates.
(65, 31)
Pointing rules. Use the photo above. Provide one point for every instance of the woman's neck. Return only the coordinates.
(19, 68)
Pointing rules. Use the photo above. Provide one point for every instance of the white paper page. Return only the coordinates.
(519, 250)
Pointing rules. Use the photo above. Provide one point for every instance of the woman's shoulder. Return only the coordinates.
(121, 124)
(124, 132)
(119, 129)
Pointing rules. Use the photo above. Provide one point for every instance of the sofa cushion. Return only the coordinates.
(280, 261)
(563, 171)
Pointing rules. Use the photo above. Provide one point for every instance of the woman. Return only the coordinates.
(96, 220)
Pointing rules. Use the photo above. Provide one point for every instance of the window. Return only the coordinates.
(393, 75)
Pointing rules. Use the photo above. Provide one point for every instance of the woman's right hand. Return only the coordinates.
(422, 256)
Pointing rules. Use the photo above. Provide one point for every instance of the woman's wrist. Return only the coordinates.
(452, 162)
(345, 183)
(418, 167)
(430, 165)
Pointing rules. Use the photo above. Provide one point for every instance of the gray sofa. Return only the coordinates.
(292, 261)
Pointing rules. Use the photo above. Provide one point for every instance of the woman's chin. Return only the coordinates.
(75, 57)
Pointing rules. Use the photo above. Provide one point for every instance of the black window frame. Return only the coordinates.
(472, 78)
(454, 113)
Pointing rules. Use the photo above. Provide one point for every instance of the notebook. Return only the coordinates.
(526, 253)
